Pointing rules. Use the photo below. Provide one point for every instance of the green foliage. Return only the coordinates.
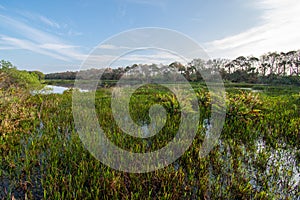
(40, 75)
(12, 77)
(6, 65)
(43, 157)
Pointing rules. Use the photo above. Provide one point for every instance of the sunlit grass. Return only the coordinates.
(44, 158)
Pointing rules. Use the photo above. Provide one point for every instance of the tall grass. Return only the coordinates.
(257, 156)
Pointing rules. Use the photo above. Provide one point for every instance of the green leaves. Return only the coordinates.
(56, 164)
(10, 77)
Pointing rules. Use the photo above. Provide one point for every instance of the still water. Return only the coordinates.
(52, 89)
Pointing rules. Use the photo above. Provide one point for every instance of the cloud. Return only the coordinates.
(48, 22)
(57, 46)
(278, 31)
(28, 45)
(7, 48)
(26, 30)
(112, 47)
(40, 18)
(37, 41)
(97, 61)
(156, 58)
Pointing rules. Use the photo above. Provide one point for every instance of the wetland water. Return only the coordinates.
(53, 89)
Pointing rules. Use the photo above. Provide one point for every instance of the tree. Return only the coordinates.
(282, 64)
(290, 62)
(241, 62)
(264, 64)
(272, 57)
(229, 66)
(17, 78)
(199, 66)
(41, 75)
(253, 63)
(6, 65)
(296, 61)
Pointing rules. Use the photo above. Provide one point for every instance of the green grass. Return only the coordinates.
(49, 161)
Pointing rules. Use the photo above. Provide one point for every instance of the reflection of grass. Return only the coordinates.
(50, 161)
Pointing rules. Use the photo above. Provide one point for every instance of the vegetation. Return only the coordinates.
(10, 77)
(270, 68)
(257, 156)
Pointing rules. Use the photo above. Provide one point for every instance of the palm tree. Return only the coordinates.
(242, 62)
(253, 63)
(264, 64)
(290, 57)
(229, 66)
(272, 57)
(296, 61)
(282, 64)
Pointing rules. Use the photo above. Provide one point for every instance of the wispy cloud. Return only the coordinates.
(40, 18)
(26, 30)
(57, 46)
(48, 21)
(156, 58)
(38, 41)
(112, 47)
(278, 31)
(7, 47)
(28, 45)
(59, 29)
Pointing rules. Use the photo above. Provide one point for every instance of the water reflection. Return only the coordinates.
(53, 89)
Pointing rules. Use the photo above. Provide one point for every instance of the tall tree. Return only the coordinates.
(254, 62)
(282, 64)
(290, 61)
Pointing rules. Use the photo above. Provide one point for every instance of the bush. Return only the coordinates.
(10, 76)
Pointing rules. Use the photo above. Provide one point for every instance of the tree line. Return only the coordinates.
(269, 68)
(272, 68)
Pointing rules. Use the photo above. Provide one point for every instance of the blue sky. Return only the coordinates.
(58, 35)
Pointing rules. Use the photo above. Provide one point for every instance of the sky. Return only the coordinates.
(55, 36)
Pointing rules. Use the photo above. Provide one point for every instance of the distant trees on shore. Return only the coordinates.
(272, 68)
(269, 68)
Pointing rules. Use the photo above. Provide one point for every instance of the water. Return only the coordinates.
(282, 171)
(52, 89)
(285, 161)
(207, 126)
(145, 130)
(249, 89)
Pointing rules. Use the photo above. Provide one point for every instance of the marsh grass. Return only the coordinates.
(257, 156)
